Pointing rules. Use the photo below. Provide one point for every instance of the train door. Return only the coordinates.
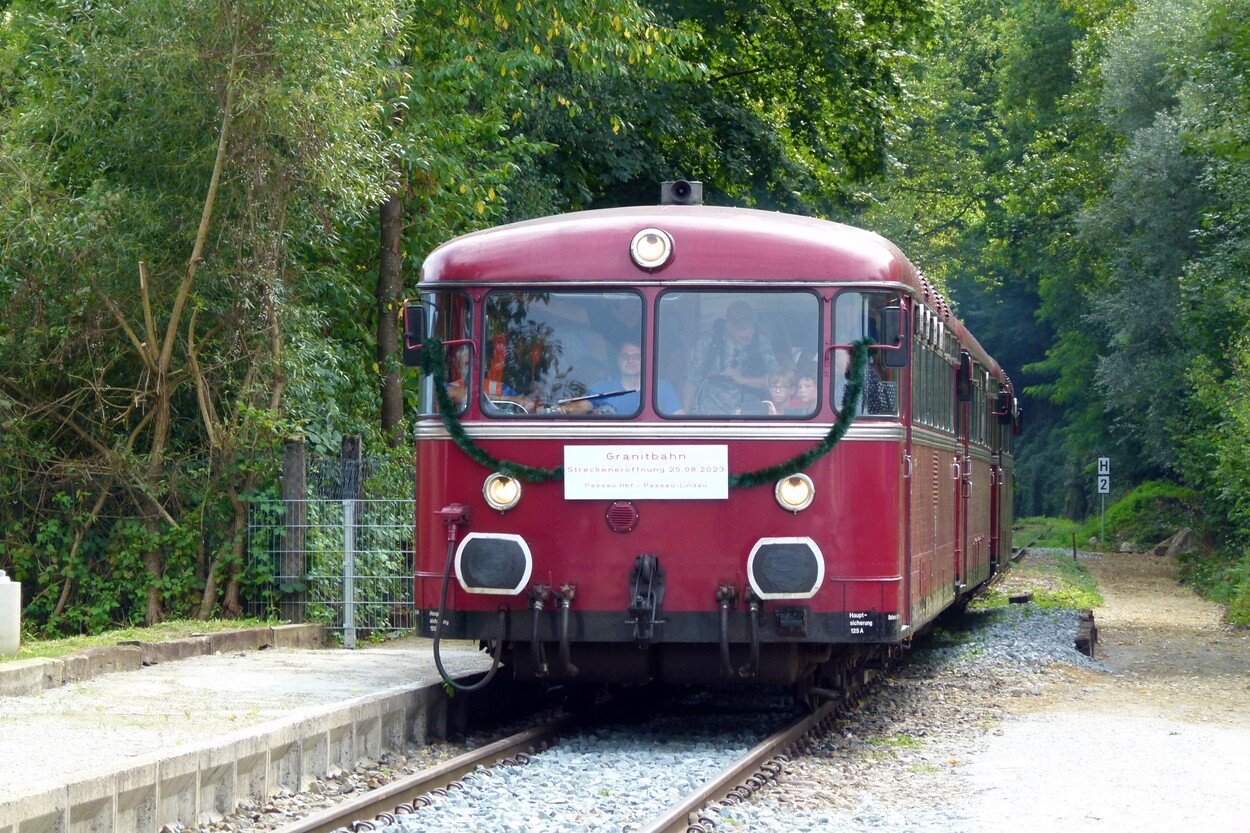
(880, 317)
(996, 475)
(999, 405)
(961, 466)
(908, 412)
(898, 338)
(1003, 432)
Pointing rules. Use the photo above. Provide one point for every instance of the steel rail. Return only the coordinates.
(380, 803)
(760, 764)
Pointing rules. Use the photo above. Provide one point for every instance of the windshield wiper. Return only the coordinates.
(590, 397)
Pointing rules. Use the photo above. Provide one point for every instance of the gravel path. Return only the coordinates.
(1005, 735)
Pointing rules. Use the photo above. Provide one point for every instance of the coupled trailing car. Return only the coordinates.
(695, 444)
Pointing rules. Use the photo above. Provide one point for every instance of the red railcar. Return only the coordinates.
(635, 459)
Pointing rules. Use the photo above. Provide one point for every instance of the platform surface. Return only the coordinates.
(66, 733)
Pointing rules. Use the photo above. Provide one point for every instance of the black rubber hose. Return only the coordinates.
(566, 653)
(751, 667)
(438, 634)
(536, 647)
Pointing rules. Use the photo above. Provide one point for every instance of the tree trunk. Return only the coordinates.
(154, 561)
(238, 535)
(389, 291)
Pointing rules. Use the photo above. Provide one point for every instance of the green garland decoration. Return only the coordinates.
(432, 365)
(799, 462)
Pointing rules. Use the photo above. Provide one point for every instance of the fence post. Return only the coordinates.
(352, 476)
(291, 603)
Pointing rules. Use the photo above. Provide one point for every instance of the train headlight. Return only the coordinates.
(795, 493)
(501, 491)
(651, 248)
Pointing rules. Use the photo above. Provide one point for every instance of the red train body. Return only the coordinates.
(647, 540)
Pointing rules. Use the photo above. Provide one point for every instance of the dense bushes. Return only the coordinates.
(1152, 512)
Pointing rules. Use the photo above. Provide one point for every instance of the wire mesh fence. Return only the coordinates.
(334, 557)
(346, 564)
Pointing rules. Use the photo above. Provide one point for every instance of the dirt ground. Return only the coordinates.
(1158, 739)
(1160, 743)
(1170, 652)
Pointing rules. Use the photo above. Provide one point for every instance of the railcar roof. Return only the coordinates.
(710, 243)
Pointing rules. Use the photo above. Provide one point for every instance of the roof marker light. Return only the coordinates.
(651, 248)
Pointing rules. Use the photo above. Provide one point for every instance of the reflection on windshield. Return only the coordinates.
(856, 315)
(741, 353)
(449, 319)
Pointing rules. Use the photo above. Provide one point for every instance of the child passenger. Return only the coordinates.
(780, 391)
(805, 392)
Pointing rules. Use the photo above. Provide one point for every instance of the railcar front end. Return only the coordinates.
(637, 461)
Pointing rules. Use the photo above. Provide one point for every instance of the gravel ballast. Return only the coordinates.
(995, 723)
(618, 779)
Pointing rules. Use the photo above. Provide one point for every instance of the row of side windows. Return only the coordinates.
(933, 398)
(933, 388)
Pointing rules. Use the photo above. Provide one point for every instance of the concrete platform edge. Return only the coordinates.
(31, 676)
(194, 785)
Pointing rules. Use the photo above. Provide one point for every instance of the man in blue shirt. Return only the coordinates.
(626, 399)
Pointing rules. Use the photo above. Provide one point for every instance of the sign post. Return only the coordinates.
(1104, 489)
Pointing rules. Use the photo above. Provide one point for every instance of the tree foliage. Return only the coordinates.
(212, 209)
(1080, 175)
(786, 105)
(163, 158)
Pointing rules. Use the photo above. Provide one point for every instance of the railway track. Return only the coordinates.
(738, 781)
(378, 807)
(384, 809)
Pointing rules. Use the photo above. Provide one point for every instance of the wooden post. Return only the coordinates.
(291, 566)
(1087, 634)
(351, 467)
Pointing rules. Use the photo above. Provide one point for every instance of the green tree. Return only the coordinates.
(465, 79)
(986, 178)
(1213, 441)
(791, 106)
(167, 157)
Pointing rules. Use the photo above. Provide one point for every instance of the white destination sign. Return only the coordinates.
(646, 472)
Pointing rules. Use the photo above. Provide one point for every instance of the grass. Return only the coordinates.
(1053, 577)
(50, 648)
(896, 742)
(1045, 532)
(924, 769)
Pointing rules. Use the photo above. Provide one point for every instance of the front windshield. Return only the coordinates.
(562, 353)
(740, 353)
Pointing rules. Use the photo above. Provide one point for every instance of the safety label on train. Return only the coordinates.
(646, 472)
